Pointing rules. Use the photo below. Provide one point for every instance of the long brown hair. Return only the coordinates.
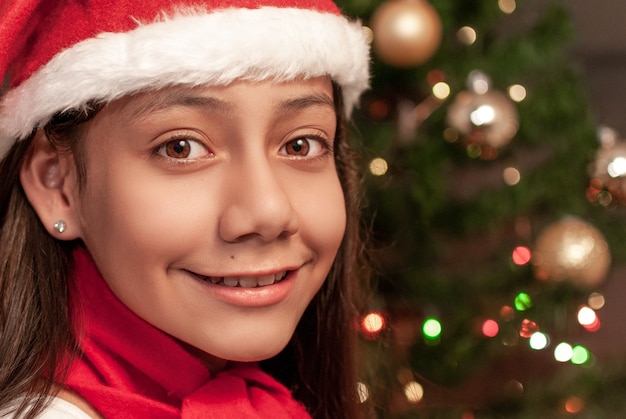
(322, 372)
(35, 334)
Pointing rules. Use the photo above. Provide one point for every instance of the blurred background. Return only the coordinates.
(599, 47)
(496, 188)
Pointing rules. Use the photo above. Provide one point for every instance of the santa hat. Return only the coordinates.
(60, 55)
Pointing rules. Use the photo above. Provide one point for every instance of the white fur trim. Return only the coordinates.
(214, 48)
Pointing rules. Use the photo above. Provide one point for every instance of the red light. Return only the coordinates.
(574, 405)
(527, 328)
(507, 313)
(593, 327)
(435, 76)
(490, 328)
(373, 323)
(521, 255)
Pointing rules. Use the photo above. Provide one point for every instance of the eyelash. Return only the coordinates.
(160, 150)
(325, 144)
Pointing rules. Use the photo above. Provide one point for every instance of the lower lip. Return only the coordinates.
(251, 297)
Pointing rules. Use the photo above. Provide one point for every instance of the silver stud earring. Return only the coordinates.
(60, 226)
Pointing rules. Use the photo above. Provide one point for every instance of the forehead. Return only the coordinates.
(283, 97)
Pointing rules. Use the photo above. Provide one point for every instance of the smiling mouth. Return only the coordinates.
(245, 281)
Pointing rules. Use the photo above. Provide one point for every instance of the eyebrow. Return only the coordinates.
(304, 102)
(182, 99)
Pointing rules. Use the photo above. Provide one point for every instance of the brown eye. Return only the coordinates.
(178, 149)
(298, 147)
(183, 149)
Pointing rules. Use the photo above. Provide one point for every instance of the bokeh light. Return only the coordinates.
(435, 76)
(574, 405)
(507, 313)
(378, 109)
(441, 90)
(362, 391)
(507, 6)
(523, 301)
(466, 35)
(617, 167)
(511, 176)
(432, 328)
(538, 341)
(517, 92)
(473, 150)
(594, 327)
(379, 166)
(451, 135)
(521, 255)
(488, 152)
(373, 322)
(595, 193)
(478, 82)
(527, 328)
(563, 352)
(414, 392)
(580, 355)
(586, 316)
(490, 328)
(596, 301)
(483, 115)
(588, 319)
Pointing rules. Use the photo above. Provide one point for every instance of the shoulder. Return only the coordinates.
(58, 409)
(74, 400)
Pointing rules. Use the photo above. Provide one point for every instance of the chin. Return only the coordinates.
(256, 352)
(248, 348)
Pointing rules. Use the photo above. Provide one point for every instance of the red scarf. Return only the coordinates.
(130, 369)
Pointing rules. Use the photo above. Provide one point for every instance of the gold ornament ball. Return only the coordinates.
(406, 32)
(488, 119)
(572, 250)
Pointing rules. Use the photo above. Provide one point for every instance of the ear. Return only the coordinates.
(50, 184)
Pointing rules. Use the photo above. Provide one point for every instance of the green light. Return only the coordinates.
(523, 301)
(580, 355)
(432, 328)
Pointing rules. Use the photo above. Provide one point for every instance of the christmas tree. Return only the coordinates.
(492, 203)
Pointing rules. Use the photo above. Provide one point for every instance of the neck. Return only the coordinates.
(213, 363)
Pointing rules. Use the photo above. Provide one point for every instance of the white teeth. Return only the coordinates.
(247, 281)
(231, 281)
(266, 280)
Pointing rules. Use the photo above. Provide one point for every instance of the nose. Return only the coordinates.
(258, 203)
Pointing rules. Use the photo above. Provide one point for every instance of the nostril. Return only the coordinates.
(247, 220)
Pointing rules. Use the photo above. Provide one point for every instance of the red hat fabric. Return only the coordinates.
(60, 55)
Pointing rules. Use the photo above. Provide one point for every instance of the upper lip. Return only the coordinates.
(248, 274)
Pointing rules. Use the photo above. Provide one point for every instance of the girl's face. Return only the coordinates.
(215, 213)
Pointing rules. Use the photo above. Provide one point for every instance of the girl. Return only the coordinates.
(178, 204)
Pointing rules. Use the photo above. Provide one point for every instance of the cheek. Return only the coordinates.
(323, 218)
(144, 214)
